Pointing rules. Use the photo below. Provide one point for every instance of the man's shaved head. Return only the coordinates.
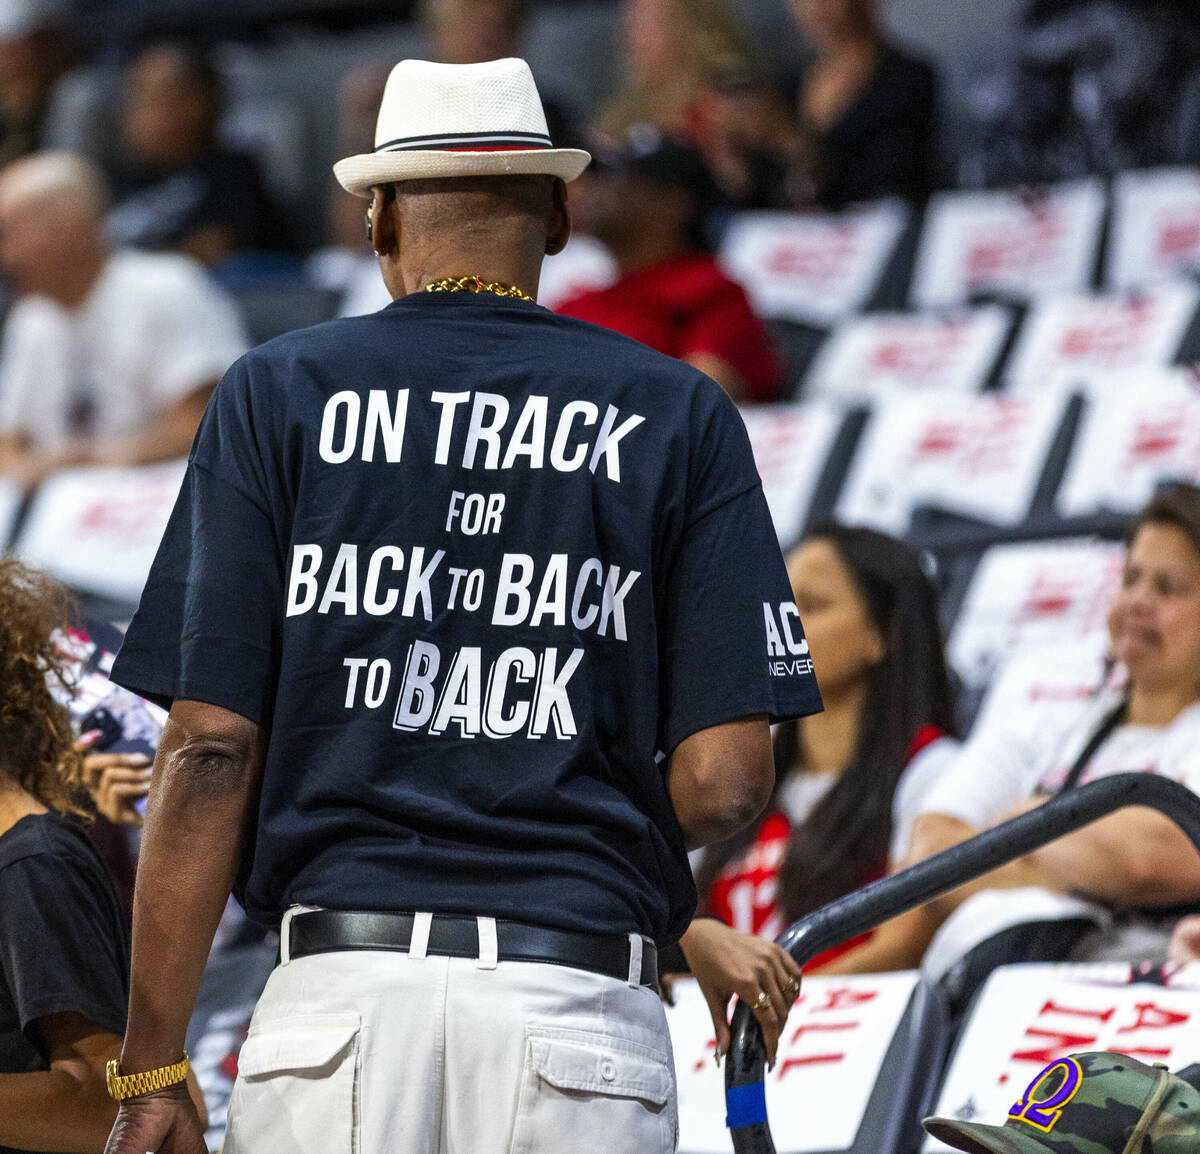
(56, 180)
(52, 208)
(466, 225)
(477, 204)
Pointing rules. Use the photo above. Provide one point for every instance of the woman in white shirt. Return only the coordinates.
(1145, 718)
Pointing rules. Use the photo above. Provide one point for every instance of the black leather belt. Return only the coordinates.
(454, 936)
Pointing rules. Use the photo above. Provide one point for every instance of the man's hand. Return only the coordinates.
(165, 1122)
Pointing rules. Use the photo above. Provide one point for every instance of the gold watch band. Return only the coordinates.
(122, 1086)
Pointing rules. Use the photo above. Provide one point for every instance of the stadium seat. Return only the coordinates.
(1008, 244)
(802, 451)
(870, 357)
(1027, 595)
(975, 456)
(98, 529)
(1136, 431)
(812, 268)
(996, 927)
(1066, 339)
(1155, 228)
(867, 1051)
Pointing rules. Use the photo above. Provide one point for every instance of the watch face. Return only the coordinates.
(111, 1073)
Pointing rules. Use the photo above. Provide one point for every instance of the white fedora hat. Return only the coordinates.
(440, 120)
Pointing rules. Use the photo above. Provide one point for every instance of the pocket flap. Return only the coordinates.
(303, 1043)
(602, 1066)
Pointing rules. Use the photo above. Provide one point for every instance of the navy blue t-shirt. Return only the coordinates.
(473, 565)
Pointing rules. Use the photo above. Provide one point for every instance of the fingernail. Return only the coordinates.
(140, 759)
(717, 1056)
(89, 737)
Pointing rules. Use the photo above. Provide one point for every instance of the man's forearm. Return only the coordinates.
(53, 1111)
(205, 782)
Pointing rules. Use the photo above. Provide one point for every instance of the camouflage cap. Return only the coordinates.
(1098, 1103)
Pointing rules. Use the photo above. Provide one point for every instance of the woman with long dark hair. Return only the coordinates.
(848, 780)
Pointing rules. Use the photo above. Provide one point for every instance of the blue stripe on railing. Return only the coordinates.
(745, 1105)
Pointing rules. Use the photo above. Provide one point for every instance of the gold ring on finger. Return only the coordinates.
(762, 1001)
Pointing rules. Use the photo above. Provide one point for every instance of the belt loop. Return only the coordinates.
(285, 934)
(635, 959)
(488, 948)
(418, 944)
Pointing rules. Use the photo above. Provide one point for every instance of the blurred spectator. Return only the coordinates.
(649, 203)
(685, 60)
(848, 781)
(1146, 722)
(1094, 86)
(866, 109)
(34, 53)
(174, 186)
(108, 357)
(64, 949)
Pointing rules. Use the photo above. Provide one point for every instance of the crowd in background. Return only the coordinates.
(694, 126)
(133, 221)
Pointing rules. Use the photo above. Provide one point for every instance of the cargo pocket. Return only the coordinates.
(593, 1094)
(297, 1087)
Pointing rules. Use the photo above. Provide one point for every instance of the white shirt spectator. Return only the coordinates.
(153, 329)
(920, 778)
(1009, 759)
(801, 793)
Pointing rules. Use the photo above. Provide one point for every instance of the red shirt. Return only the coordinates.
(744, 894)
(683, 306)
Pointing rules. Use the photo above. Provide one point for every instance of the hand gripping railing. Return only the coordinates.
(885, 899)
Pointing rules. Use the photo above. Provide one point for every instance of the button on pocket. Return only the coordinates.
(297, 1080)
(594, 1094)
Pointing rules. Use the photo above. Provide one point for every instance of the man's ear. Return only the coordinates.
(384, 228)
(559, 231)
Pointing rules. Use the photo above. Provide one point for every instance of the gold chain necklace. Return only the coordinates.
(474, 284)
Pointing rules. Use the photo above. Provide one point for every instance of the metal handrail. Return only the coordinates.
(885, 899)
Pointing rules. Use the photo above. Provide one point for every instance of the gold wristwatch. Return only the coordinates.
(122, 1086)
